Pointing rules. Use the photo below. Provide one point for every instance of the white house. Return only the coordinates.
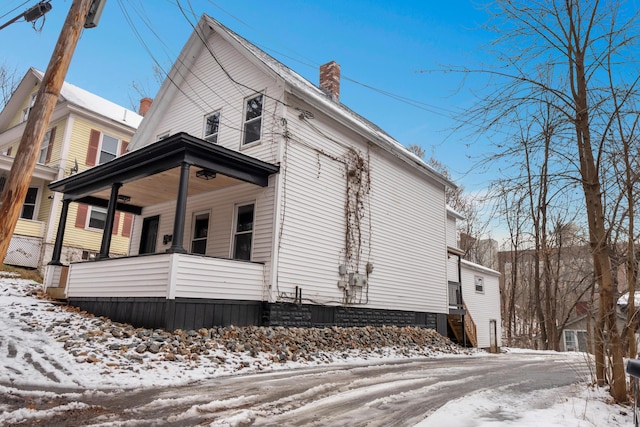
(261, 199)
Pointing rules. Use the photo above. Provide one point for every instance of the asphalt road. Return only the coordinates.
(377, 394)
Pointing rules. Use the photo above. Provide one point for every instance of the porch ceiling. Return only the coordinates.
(151, 174)
(163, 187)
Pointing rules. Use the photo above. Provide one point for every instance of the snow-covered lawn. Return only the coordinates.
(48, 348)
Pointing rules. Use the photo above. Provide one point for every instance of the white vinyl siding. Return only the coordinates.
(197, 97)
(451, 233)
(405, 240)
(168, 275)
(485, 306)
(117, 277)
(198, 277)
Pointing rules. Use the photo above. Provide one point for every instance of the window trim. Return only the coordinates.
(36, 204)
(574, 337)
(100, 150)
(88, 220)
(244, 144)
(234, 229)
(193, 231)
(27, 111)
(204, 129)
(42, 157)
(476, 280)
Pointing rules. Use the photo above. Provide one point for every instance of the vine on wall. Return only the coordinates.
(356, 207)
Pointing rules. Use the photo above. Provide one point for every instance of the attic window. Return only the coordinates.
(26, 111)
(479, 282)
(252, 120)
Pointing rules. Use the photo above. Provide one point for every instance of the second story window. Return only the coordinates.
(252, 120)
(211, 127)
(108, 149)
(103, 148)
(47, 145)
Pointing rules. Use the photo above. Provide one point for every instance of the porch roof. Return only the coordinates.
(150, 174)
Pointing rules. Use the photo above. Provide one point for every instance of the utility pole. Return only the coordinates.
(38, 121)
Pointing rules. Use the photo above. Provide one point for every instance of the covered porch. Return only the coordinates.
(166, 173)
(25, 248)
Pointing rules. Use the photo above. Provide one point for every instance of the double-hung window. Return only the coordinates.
(479, 283)
(29, 206)
(108, 148)
(243, 235)
(42, 158)
(211, 127)
(252, 119)
(200, 233)
(97, 218)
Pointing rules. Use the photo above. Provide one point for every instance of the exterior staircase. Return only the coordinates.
(463, 328)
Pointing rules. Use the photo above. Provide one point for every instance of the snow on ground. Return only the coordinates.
(572, 406)
(35, 355)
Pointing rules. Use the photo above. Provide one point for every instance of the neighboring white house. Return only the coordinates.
(263, 200)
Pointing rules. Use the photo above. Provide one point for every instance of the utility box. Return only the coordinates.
(357, 279)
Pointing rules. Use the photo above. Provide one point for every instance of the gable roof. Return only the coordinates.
(73, 95)
(294, 84)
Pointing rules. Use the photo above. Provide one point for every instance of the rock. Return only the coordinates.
(141, 348)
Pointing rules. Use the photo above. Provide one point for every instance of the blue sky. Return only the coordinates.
(380, 44)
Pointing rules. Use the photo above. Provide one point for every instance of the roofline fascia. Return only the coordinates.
(169, 88)
(481, 268)
(98, 118)
(40, 172)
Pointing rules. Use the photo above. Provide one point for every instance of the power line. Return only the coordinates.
(14, 9)
(32, 14)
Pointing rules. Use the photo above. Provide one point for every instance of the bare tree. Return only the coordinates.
(8, 83)
(563, 53)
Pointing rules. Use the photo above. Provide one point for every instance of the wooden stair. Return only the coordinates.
(456, 324)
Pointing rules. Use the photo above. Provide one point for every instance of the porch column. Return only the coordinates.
(108, 224)
(181, 211)
(57, 246)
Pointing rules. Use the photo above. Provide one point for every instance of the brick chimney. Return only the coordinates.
(330, 79)
(145, 104)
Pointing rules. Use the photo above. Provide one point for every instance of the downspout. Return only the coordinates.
(464, 330)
